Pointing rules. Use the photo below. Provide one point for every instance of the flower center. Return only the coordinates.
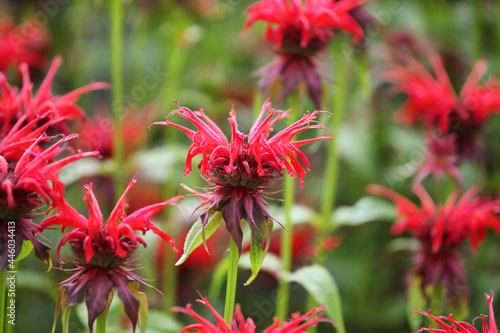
(15, 203)
(104, 251)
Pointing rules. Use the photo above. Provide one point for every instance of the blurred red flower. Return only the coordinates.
(15, 102)
(433, 100)
(461, 327)
(24, 43)
(240, 171)
(239, 325)
(104, 252)
(299, 30)
(441, 230)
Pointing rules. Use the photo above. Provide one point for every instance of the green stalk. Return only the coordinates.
(171, 280)
(101, 322)
(232, 275)
(116, 18)
(283, 296)
(332, 161)
(3, 278)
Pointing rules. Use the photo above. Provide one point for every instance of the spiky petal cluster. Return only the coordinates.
(16, 103)
(240, 170)
(298, 31)
(24, 43)
(441, 230)
(433, 100)
(28, 178)
(459, 326)
(298, 324)
(103, 251)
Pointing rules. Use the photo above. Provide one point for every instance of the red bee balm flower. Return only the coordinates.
(241, 170)
(104, 253)
(299, 30)
(461, 327)
(434, 101)
(441, 230)
(28, 178)
(15, 102)
(24, 43)
(298, 324)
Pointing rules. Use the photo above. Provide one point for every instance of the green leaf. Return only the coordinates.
(367, 209)
(143, 305)
(197, 235)
(26, 249)
(61, 304)
(65, 319)
(322, 287)
(271, 264)
(257, 251)
(415, 300)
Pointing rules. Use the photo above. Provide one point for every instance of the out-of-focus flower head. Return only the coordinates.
(15, 102)
(440, 158)
(433, 100)
(450, 325)
(298, 31)
(97, 132)
(24, 43)
(241, 170)
(104, 253)
(28, 179)
(441, 230)
(298, 324)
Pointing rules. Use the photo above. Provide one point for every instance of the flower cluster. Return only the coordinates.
(441, 230)
(298, 31)
(241, 170)
(104, 253)
(298, 324)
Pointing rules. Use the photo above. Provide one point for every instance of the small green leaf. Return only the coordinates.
(271, 264)
(197, 235)
(257, 251)
(143, 306)
(61, 304)
(26, 249)
(322, 287)
(65, 319)
(367, 209)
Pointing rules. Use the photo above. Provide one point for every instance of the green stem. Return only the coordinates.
(101, 322)
(283, 296)
(3, 278)
(232, 275)
(332, 162)
(171, 280)
(116, 17)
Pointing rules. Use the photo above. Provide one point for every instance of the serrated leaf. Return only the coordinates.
(143, 305)
(257, 251)
(367, 209)
(26, 249)
(197, 235)
(271, 264)
(318, 282)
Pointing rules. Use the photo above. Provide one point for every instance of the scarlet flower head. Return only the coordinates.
(239, 171)
(441, 230)
(461, 327)
(104, 252)
(16, 103)
(299, 30)
(433, 100)
(296, 26)
(298, 324)
(28, 179)
(441, 158)
(24, 43)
